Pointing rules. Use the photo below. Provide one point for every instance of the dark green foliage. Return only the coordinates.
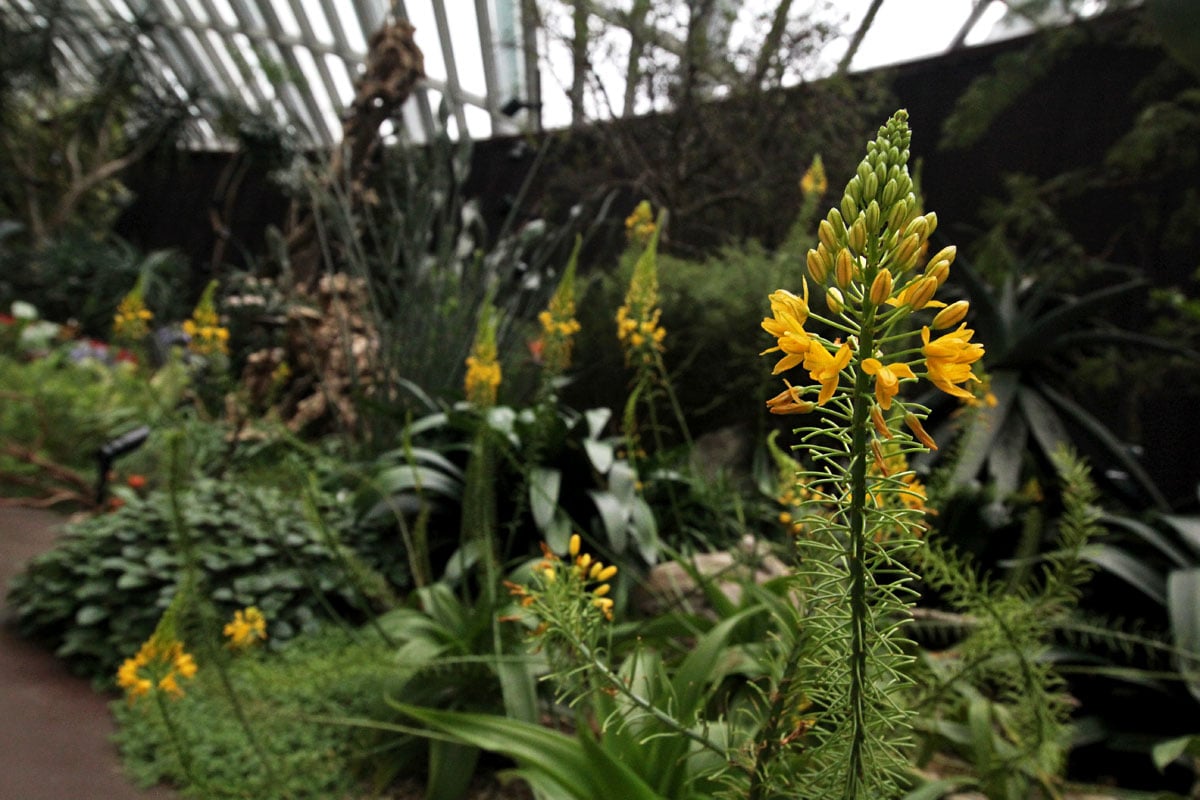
(995, 696)
(97, 596)
(330, 673)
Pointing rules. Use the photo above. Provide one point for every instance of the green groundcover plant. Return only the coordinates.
(98, 594)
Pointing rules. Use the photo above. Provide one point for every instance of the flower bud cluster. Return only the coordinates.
(573, 592)
(871, 263)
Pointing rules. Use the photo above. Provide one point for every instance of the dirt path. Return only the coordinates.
(54, 730)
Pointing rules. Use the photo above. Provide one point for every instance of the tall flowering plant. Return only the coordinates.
(879, 290)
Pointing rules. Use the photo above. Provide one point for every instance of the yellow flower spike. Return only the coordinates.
(881, 287)
(918, 430)
(814, 182)
(887, 379)
(607, 573)
(573, 545)
(788, 402)
(483, 366)
(826, 368)
(951, 315)
(879, 422)
(948, 359)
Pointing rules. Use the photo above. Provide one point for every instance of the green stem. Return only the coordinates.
(858, 573)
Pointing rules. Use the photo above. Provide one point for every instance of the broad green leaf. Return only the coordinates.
(695, 674)
(1188, 529)
(544, 486)
(1133, 571)
(614, 516)
(451, 767)
(597, 418)
(556, 755)
(1183, 609)
(1166, 752)
(600, 454)
(985, 426)
(1148, 535)
(645, 530)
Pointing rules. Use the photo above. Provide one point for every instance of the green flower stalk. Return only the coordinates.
(863, 518)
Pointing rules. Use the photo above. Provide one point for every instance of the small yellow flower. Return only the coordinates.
(887, 379)
(247, 628)
(826, 369)
(159, 665)
(948, 359)
(789, 313)
(205, 333)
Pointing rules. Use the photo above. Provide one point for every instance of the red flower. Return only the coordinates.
(136, 482)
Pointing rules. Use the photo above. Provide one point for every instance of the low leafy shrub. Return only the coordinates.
(98, 594)
(331, 673)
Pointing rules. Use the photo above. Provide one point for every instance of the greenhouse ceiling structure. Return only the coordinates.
(492, 67)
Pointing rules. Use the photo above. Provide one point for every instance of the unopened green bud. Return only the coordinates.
(891, 191)
(931, 222)
(826, 234)
(835, 219)
(844, 271)
(849, 207)
(950, 316)
(898, 215)
(853, 189)
(864, 169)
(921, 293)
(881, 174)
(870, 188)
(945, 254)
(917, 226)
(873, 214)
(856, 237)
(881, 287)
(938, 270)
(834, 300)
(817, 267)
(906, 252)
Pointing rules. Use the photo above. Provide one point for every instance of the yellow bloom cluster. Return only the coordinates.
(638, 328)
(640, 225)
(247, 628)
(558, 322)
(814, 181)
(869, 263)
(132, 320)
(158, 666)
(579, 577)
(205, 333)
(482, 380)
